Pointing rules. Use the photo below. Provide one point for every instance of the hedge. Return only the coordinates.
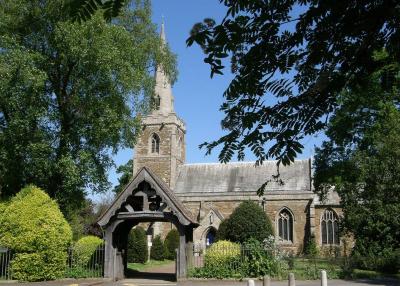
(84, 248)
(33, 226)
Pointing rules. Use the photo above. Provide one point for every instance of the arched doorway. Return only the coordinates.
(210, 236)
(145, 199)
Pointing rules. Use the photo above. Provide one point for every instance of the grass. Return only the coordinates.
(148, 265)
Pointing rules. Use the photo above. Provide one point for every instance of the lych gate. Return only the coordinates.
(145, 199)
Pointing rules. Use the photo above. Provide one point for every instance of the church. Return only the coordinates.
(210, 192)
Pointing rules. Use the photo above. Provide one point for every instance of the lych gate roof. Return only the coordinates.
(160, 187)
(242, 177)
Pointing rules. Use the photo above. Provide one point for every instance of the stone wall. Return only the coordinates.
(299, 209)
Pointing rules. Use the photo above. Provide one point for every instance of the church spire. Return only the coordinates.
(164, 100)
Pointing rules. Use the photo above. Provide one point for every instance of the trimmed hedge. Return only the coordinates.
(33, 226)
(171, 243)
(84, 248)
(248, 221)
(157, 249)
(137, 245)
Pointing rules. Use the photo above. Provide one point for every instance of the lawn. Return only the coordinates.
(148, 265)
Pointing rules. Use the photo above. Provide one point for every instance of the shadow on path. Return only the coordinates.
(150, 275)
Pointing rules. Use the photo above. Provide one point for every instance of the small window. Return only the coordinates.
(285, 226)
(156, 102)
(329, 227)
(155, 144)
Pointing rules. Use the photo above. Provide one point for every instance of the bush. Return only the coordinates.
(137, 246)
(259, 260)
(33, 226)
(157, 249)
(247, 221)
(311, 248)
(171, 243)
(221, 261)
(84, 248)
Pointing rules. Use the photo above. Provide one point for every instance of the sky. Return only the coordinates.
(197, 96)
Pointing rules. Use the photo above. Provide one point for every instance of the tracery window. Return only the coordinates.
(155, 144)
(285, 226)
(329, 227)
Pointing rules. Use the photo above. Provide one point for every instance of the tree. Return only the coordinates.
(126, 173)
(247, 221)
(137, 245)
(70, 93)
(157, 249)
(32, 225)
(171, 243)
(361, 161)
(290, 61)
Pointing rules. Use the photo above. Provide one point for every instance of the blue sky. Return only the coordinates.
(197, 96)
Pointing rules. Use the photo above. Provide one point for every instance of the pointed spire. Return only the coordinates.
(162, 33)
(163, 90)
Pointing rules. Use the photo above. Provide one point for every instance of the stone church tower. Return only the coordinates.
(161, 146)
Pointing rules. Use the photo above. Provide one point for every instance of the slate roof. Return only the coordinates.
(242, 177)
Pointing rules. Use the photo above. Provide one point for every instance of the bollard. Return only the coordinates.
(266, 281)
(292, 281)
(250, 283)
(324, 280)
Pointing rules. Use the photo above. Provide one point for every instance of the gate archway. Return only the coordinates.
(145, 199)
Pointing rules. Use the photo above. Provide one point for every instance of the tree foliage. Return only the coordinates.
(290, 60)
(126, 172)
(137, 245)
(361, 160)
(83, 10)
(69, 93)
(247, 221)
(171, 243)
(157, 249)
(33, 226)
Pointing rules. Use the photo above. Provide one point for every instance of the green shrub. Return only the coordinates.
(311, 248)
(84, 249)
(157, 249)
(247, 221)
(171, 243)
(261, 260)
(137, 245)
(221, 261)
(33, 226)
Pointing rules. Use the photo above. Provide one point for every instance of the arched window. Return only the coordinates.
(155, 144)
(329, 227)
(285, 226)
(156, 102)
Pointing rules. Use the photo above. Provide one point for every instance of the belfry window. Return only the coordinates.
(329, 227)
(155, 144)
(156, 102)
(285, 226)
